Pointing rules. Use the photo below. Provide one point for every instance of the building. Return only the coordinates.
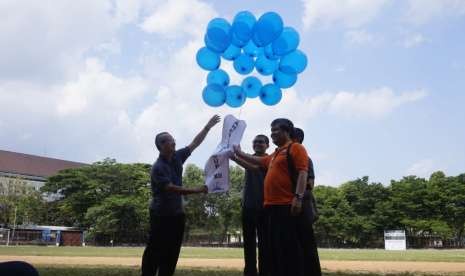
(32, 169)
(42, 235)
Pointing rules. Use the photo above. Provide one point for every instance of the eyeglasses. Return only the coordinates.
(163, 141)
(259, 142)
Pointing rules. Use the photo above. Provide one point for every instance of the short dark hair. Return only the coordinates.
(157, 139)
(298, 135)
(284, 124)
(264, 137)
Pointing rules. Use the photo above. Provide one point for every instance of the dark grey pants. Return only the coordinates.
(292, 243)
(164, 244)
(307, 241)
(254, 228)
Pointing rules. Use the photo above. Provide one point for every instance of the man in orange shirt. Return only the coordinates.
(283, 201)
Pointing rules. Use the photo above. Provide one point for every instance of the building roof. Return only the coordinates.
(32, 165)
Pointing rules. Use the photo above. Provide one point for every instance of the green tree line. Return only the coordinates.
(111, 201)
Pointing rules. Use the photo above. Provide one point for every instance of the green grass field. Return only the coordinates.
(220, 253)
(123, 271)
(196, 252)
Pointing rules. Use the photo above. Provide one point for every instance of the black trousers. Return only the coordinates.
(292, 242)
(17, 269)
(163, 246)
(254, 225)
(307, 241)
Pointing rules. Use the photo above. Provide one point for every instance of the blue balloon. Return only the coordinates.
(252, 86)
(243, 64)
(232, 52)
(252, 50)
(268, 28)
(214, 95)
(270, 94)
(293, 63)
(265, 66)
(218, 76)
(284, 80)
(218, 35)
(268, 51)
(207, 59)
(214, 47)
(239, 43)
(286, 42)
(235, 96)
(242, 27)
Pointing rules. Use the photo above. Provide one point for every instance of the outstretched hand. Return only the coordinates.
(203, 133)
(213, 121)
(203, 189)
(237, 149)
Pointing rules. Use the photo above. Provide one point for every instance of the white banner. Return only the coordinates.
(217, 166)
(395, 240)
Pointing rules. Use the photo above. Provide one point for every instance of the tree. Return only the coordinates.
(449, 193)
(119, 218)
(224, 209)
(196, 215)
(90, 186)
(367, 201)
(18, 199)
(216, 214)
(408, 200)
(335, 217)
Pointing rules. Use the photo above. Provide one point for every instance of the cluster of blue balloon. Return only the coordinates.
(264, 44)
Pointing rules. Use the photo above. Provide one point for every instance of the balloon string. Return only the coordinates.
(240, 112)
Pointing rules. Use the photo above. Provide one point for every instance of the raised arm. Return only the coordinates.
(252, 159)
(203, 133)
(186, 191)
(246, 165)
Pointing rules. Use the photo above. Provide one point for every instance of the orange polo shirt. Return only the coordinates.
(278, 184)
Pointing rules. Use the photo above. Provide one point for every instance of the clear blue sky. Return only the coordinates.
(383, 95)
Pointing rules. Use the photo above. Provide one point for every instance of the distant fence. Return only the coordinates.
(31, 237)
(4, 236)
(378, 242)
(40, 237)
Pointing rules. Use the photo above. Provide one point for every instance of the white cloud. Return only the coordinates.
(350, 13)
(176, 18)
(45, 40)
(414, 40)
(422, 11)
(359, 37)
(375, 103)
(187, 113)
(127, 11)
(89, 118)
(106, 115)
(94, 113)
(97, 89)
(112, 47)
(84, 120)
(340, 68)
(422, 168)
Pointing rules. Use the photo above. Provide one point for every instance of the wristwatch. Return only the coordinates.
(299, 196)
